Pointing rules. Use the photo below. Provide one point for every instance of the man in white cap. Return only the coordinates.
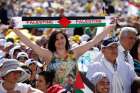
(12, 73)
(120, 75)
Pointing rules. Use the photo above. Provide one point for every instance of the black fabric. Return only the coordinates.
(109, 40)
(3, 16)
(86, 81)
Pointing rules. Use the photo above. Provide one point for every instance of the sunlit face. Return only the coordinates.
(41, 83)
(129, 40)
(111, 52)
(13, 76)
(60, 42)
(103, 86)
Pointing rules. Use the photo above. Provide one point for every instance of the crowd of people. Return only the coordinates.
(48, 60)
(12, 8)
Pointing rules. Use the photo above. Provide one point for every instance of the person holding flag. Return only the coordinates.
(60, 57)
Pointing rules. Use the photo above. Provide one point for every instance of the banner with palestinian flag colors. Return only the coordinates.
(133, 9)
(59, 22)
(82, 84)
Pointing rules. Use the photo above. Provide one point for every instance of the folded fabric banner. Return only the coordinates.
(133, 9)
(59, 22)
(82, 84)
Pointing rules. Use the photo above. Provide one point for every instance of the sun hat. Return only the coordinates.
(31, 61)
(10, 65)
(22, 54)
(12, 50)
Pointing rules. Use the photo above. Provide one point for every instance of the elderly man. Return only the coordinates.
(120, 75)
(101, 82)
(12, 73)
(127, 39)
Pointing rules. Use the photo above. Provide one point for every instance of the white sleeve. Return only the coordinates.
(92, 68)
(131, 61)
(131, 72)
(22, 87)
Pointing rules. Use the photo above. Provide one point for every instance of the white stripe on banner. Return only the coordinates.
(86, 89)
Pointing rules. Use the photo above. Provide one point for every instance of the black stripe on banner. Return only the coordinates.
(86, 81)
(58, 18)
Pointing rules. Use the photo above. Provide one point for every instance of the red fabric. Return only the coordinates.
(55, 89)
(79, 82)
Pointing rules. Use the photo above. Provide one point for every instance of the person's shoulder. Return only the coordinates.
(128, 66)
(23, 85)
(95, 64)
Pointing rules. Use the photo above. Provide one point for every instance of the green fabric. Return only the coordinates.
(88, 32)
(138, 13)
(59, 26)
(79, 91)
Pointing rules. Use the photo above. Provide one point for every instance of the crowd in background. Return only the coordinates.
(12, 8)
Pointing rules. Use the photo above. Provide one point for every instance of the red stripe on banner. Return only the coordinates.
(79, 84)
(134, 4)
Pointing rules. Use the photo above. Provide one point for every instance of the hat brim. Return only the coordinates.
(102, 46)
(23, 73)
(36, 63)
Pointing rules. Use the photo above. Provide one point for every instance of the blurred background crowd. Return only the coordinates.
(50, 8)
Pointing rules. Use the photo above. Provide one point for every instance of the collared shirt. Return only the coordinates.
(121, 56)
(126, 72)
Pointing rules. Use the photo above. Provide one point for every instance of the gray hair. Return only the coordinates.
(126, 30)
(96, 77)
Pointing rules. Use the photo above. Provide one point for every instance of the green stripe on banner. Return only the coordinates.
(60, 26)
(79, 91)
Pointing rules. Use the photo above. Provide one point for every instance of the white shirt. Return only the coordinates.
(21, 87)
(126, 72)
(121, 56)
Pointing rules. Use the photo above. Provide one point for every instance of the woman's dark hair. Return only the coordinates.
(135, 85)
(52, 40)
(48, 76)
(134, 50)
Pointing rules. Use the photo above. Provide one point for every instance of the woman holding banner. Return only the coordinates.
(60, 57)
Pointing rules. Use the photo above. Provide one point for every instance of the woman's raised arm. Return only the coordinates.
(78, 51)
(42, 52)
